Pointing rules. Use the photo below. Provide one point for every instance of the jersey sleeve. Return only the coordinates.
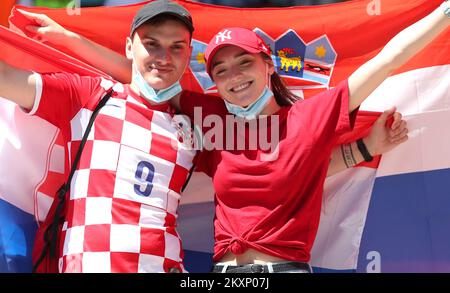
(326, 114)
(59, 96)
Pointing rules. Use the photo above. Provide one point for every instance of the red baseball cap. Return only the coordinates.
(243, 38)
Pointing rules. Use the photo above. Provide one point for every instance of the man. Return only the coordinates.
(124, 194)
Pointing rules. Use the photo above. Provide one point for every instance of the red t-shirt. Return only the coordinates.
(273, 206)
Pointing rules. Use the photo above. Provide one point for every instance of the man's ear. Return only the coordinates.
(128, 48)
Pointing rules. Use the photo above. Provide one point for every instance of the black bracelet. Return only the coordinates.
(363, 149)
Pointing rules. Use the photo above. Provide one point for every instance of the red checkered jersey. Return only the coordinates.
(45, 191)
(271, 201)
(121, 216)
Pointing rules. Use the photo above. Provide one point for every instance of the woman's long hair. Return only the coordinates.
(283, 95)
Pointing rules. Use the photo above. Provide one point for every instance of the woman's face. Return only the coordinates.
(240, 76)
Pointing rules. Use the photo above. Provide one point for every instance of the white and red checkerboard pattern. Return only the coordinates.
(46, 189)
(125, 193)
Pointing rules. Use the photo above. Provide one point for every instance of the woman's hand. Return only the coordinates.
(384, 138)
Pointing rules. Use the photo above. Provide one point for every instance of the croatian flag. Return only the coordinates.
(389, 216)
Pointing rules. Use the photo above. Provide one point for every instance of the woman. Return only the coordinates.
(260, 220)
(267, 211)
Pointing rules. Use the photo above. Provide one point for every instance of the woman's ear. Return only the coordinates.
(271, 68)
(128, 48)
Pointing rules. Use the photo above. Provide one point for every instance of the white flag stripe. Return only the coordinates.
(344, 208)
(412, 92)
(423, 97)
(428, 146)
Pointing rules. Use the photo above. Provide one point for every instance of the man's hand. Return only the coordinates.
(45, 30)
(384, 138)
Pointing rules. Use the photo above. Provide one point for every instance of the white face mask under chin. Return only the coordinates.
(149, 93)
(255, 108)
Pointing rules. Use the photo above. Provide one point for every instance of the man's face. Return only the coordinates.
(161, 53)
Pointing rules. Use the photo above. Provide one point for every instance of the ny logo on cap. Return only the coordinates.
(264, 48)
(222, 36)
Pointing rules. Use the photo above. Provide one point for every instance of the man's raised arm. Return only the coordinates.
(17, 85)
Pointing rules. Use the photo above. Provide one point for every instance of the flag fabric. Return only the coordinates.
(405, 198)
(5, 8)
(386, 217)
